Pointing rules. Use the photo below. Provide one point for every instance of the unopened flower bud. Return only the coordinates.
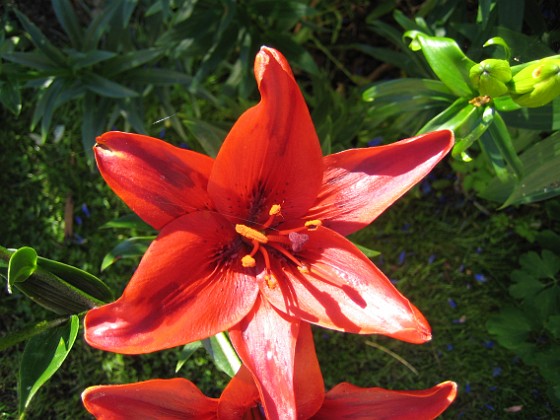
(537, 84)
(490, 77)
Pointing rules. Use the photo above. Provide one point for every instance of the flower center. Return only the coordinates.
(286, 242)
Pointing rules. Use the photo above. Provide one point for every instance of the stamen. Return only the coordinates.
(248, 261)
(286, 253)
(275, 210)
(271, 281)
(313, 224)
(251, 233)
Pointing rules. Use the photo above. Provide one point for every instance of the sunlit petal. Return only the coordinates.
(359, 184)
(180, 292)
(347, 401)
(158, 181)
(343, 290)
(272, 154)
(155, 399)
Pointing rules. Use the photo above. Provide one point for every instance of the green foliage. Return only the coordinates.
(42, 357)
(477, 98)
(531, 328)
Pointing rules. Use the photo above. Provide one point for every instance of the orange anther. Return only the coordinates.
(248, 261)
(251, 234)
(275, 210)
(313, 224)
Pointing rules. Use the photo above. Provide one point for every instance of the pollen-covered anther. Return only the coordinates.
(313, 224)
(252, 234)
(271, 281)
(275, 210)
(304, 269)
(248, 261)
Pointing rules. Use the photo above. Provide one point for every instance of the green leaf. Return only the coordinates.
(129, 60)
(12, 338)
(10, 97)
(511, 328)
(129, 248)
(541, 163)
(157, 76)
(209, 136)
(447, 61)
(502, 139)
(68, 20)
(80, 279)
(222, 353)
(99, 24)
(186, 352)
(105, 87)
(33, 59)
(128, 221)
(469, 126)
(408, 87)
(370, 253)
(80, 59)
(545, 118)
(553, 325)
(23, 263)
(526, 285)
(41, 41)
(42, 357)
(459, 106)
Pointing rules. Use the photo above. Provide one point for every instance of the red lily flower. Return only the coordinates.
(251, 242)
(180, 399)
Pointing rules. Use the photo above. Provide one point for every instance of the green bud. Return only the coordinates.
(537, 84)
(490, 77)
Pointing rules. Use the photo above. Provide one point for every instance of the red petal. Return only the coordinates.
(242, 394)
(266, 341)
(359, 184)
(344, 291)
(158, 398)
(158, 181)
(272, 154)
(239, 396)
(309, 387)
(348, 401)
(185, 289)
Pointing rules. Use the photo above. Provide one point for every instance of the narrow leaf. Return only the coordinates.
(42, 357)
(129, 248)
(222, 353)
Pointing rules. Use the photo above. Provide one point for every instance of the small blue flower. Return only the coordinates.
(468, 388)
(393, 281)
(85, 210)
(78, 220)
(489, 344)
(481, 278)
(490, 407)
(479, 250)
(492, 388)
(431, 259)
(161, 133)
(497, 371)
(376, 141)
(402, 257)
(425, 187)
(449, 347)
(452, 303)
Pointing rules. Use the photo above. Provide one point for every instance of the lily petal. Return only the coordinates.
(265, 341)
(157, 398)
(158, 181)
(179, 293)
(240, 395)
(272, 154)
(343, 290)
(347, 401)
(359, 184)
